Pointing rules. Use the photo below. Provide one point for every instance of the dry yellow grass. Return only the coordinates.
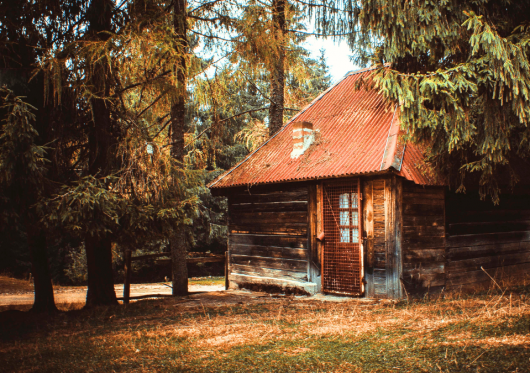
(12, 285)
(489, 332)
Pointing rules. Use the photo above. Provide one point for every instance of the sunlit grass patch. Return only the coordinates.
(8, 284)
(487, 333)
(209, 280)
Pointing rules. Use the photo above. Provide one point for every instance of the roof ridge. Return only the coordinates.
(315, 100)
(358, 71)
(365, 69)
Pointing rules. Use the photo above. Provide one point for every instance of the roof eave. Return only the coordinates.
(389, 170)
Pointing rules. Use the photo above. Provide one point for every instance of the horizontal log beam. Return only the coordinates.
(487, 238)
(269, 251)
(298, 229)
(272, 263)
(267, 272)
(269, 240)
(269, 207)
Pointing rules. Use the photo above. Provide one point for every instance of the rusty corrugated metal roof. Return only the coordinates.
(357, 132)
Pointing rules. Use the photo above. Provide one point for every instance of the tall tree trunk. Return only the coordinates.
(102, 137)
(100, 274)
(44, 299)
(37, 240)
(178, 241)
(22, 85)
(277, 73)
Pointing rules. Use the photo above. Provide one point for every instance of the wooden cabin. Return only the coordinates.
(335, 203)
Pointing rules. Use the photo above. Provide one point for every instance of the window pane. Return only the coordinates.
(344, 235)
(355, 218)
(355, 235)
(354, 201)
(344, 218)
(343, 201)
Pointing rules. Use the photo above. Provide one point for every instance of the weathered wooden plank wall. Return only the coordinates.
(482, 235)
(423, 238)
(378, 211)
(315, 227)
(268, 233)
(379, 248)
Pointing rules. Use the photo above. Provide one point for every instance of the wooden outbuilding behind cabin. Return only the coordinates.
(335, 203)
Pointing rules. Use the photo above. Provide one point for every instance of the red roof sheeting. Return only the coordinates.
(356, 132)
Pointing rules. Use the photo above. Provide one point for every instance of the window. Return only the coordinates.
(349, 217)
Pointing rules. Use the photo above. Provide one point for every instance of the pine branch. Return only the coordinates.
(208, 4)
(163, 128)
(152, 103)
(232, 117)
(141, 83)
(323, 6)
(321, 35)
(212, 36)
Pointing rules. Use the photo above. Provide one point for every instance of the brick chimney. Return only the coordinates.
(303, 137)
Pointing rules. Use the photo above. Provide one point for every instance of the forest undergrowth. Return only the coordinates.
(486, 332)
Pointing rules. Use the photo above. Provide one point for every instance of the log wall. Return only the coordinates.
(486, 240)
(416, 239)
(268, 236)
(423, 238)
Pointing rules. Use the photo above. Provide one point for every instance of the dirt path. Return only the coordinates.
(78, 294)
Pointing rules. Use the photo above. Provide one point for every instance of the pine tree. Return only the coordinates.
(28, 32)
(278, 66)
(178, 128)
(103, 136)
(22, 183)
(459, 71)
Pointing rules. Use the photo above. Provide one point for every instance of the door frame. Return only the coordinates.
(337, 183)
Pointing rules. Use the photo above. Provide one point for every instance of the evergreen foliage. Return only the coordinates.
(459, 71)
(91, 154)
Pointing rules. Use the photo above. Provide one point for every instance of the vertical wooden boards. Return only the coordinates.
(389, 236)
(270, 234)
(368, 234)
(314, 266)
(423, 238)
(485, 240)
(382, 223)
(320, 224)
(312, 232)
(397, 191)
(380, 249)
(393, 202)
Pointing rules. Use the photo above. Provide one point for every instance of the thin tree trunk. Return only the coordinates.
(102, 137)
(178, 121)
(277, 74)
(44, 299)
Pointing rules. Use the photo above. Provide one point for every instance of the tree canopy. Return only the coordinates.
(458, 70)
(125, 110)
(115, 115)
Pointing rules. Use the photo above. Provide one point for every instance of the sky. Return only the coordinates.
(337, 56)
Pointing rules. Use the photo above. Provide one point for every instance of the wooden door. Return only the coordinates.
(342, 257)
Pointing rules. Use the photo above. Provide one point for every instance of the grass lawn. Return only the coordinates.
(209, 280)
(12, 285)
(481, 333)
